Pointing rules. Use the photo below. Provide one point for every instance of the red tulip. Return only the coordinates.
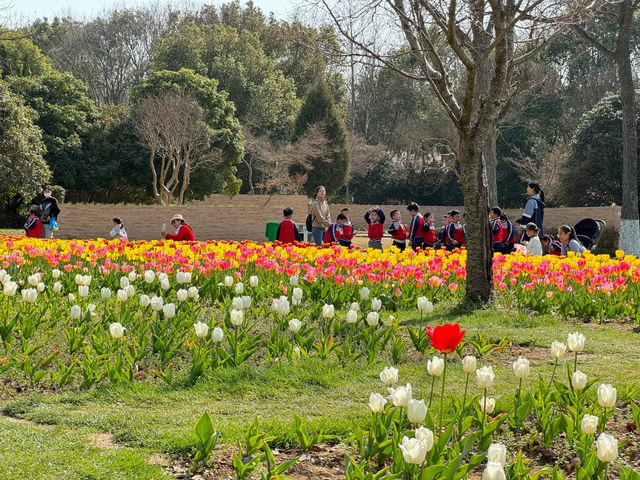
(445, 338)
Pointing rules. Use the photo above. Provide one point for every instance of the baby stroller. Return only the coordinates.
(589, 231)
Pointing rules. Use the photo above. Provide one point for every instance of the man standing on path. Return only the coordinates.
(49, 210)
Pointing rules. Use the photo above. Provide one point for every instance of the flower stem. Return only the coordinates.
(433, 381)
(484, 410)
(464, 405)
(604, 421)
(515, 412)
(575, 363)
(444, 376)
(555, 365)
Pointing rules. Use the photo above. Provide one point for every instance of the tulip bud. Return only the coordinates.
(416, 411)
(72, 297)
(83, 291)
(236, 303)
(606, 396)
(497, 453)
(521, 368)
(364, 293)
(491, 404)
(253, 281)
(57, 287)
(413, 450)
(373, 318)
(239, 288)
(352, 316)
(149, 276)
(355, 307)
(246, 302)
(76, 312)
(400, 396)
(435, 366)
(469, 364)
(575, 342)
(578, 380)
(182, 295)
(193, 293)
(33, 280)
(156, 303)
(606, 448)
(169, 310)
(293, 280)
(589, 424)
(201, 329)
(40, 287)
(493, 471)
(121, 295)
(376, 304)
(297, 293)
(485, 377)
(328, 311)
(389, 375)
(55, 273)
(217, 335)
(296, 352)
(105, 293)
(124, 282)
(236, 317)
(78, 279)
(131, 291)
(425, 435)
(228, 281)
(91, 308)
(132, 276)
(558, 349)
(180, 277)
(165, 284)
(116, 330)
(283, 306)
(377, 402)
(145, 301)
(294, 325)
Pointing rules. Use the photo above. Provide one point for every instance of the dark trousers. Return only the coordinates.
(416, 243)
(400, 245)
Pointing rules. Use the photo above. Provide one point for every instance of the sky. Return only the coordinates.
(23, 11)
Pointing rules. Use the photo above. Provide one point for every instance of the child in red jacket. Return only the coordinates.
(288, 230)
(33, 226)
(347, 230)
(415, 227)
(398, 231)
(334, 232)
(375, 218)
(429, 237)
(496, 229)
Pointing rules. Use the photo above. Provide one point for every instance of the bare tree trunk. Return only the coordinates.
(629, 239)
(154, 176)
(491, 167)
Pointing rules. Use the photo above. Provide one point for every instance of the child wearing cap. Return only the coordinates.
(183, 230)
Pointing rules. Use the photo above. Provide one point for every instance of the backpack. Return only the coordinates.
(309, 222)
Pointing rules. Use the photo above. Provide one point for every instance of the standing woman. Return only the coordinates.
(320, 214)
(534, 207)
(570, 242)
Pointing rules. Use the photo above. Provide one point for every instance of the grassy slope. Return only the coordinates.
(160, 418)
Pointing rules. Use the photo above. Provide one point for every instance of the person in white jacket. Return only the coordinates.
(118, 230)
(533, 245)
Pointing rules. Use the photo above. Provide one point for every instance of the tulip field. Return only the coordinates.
(241, 360)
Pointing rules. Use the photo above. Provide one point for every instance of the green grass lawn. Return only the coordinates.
(153, 418)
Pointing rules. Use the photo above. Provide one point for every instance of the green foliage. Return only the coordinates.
(20, 57)
(219, 113)
(207, 439)
(23, 170)
(320, 108)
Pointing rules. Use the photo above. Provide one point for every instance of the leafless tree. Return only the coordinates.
(469, 52)
(173, 127)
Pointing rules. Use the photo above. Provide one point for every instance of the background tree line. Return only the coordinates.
(281, 106)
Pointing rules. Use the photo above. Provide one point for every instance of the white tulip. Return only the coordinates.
(169, 310)
(76, 312)
(149, 276)
(275, 305)
(606, 448)
(469, 364)
(589, 424)
(10, 288)
(497, 453)
(40, 287)
(575, 342)
(145, 301)
(239, 288)
(578, 380)
(105, 293)
(116, 330)
(236, 317)
(29, 295)
(182, 295)
(236, 303)
(293, 280)
(521, 368)
(424, 305)
(294, 325)
(355, 307)
(364, 293)
(201, 329)
(491, 404)
(493, 471)
(33, 280)
(485, 377)
(217, 335)
(131, 291)
(180, 278)
(55, 273)
(416, 411)
(78, 279)
(558, 349)
(352, 316)
(246, 302)
(156, 303)
(425, 435)
(373, 318)
(121, 295)
(413, 450)
(389, 375)
(57, 287)
(83, 291)
(165, 284)
(607, 396)
(297, 293)
(228, 281)
(193, 293)
(71, 297)
(377, 402)
(163, 276)
(296, 352)
(91, 308)
(124, 282)
(400, 396)
(435, 366)
(376, 304)
(133, 276)
(86, 280)
(283, 306)
(328, 311)
(253, 281)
